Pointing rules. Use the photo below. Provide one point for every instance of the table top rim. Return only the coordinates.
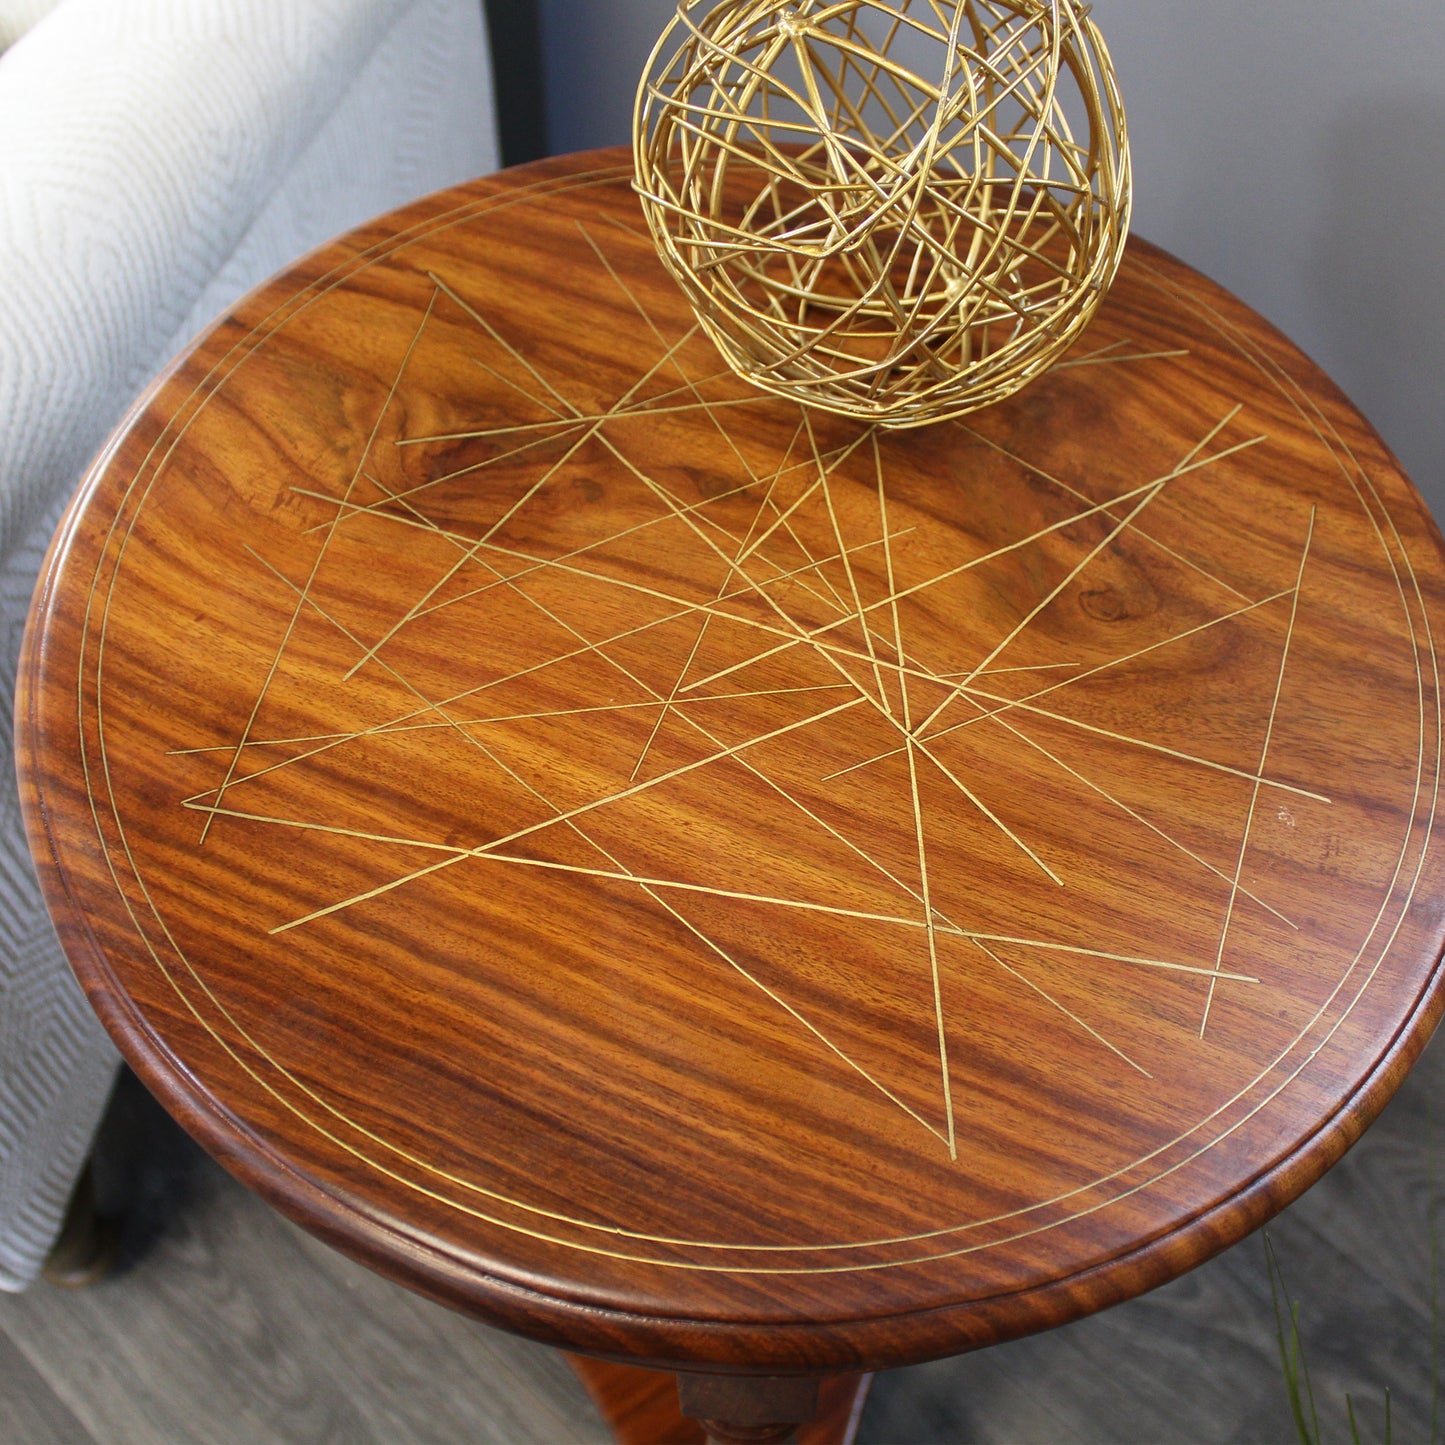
(388, 1245)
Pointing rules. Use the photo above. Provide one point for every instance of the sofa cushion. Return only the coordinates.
(17, 16)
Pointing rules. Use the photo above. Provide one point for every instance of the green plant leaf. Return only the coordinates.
(1291, 1355)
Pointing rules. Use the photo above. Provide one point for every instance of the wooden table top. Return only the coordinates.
(685, 877)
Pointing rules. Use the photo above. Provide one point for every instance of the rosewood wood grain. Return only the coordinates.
(707, 884)
(642, 1407)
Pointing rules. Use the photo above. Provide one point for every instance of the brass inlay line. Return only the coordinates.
(1101, 507)
(1263, 758)
(929, 916)
(393, 724)
(1127, 521)
(376, 510)
(316, 564)
(783, 1003)
(1074, 722)
(833, 463)
(999, 671)
(515, 386)
(917, 745)
(506, 345)
(753, 586)
(511, 511)
(744, 545)
(1043, 993)
(555, 430)
(1119, 661)
(650, 885)
(386, 730)
(987, 714)
(1075, 492)
(826, 652)
(1125, 808)
(857, 612)
(1049, 596)
(928, 919)
(576, 812)
(579, 419)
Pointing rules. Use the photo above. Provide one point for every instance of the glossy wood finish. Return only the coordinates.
(699, 883)
(641, 1406)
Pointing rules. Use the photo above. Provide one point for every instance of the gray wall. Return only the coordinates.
(1292, 149)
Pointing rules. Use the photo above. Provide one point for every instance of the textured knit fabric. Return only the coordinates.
(157, 159)
(18, 16)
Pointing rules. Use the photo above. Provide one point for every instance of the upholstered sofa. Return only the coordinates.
(157, 159)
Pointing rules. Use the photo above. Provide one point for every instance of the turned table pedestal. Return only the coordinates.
(713, 886)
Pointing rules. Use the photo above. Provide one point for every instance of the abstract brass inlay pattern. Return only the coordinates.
(795, 684)
(776, 517)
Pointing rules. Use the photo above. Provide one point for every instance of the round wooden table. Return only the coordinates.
(711, 885)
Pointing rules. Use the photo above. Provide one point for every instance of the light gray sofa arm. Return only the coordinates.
(157, 159)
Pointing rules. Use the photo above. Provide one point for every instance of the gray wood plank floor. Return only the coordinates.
(228, 1326)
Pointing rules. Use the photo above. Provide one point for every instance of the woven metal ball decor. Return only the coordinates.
(898, 210)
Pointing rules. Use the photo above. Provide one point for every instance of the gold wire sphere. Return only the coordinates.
(897, 210)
